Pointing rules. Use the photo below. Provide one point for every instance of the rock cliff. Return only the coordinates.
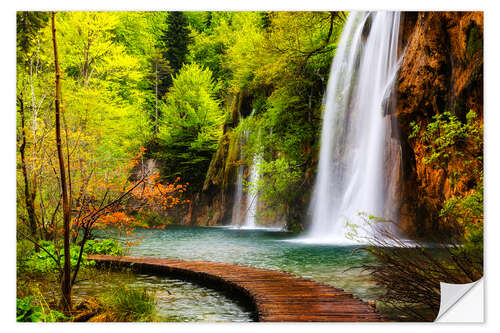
(441, 70)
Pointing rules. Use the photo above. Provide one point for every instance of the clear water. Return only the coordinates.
(333, 265)
(176, 300)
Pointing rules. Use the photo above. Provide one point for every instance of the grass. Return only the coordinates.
(125, 304)
(38, 295)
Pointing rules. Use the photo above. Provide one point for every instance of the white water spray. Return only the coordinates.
(351, 176)
(245, 207)
(253, 194)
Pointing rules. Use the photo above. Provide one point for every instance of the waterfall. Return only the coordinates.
(356, 124)
(253, 194)
(245, 210)
(239, 209)
(236, 219)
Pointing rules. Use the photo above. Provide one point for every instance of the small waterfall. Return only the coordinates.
(245, 207)
(239, 209)
(236, 219)
(352, 177)
(253, 194)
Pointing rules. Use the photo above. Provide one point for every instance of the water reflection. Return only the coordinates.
(177, 300)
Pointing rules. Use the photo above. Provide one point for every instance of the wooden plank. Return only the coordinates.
(275, 295)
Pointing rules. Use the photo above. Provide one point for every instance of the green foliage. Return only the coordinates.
(456, 147)
(104, 246)
(125, 303)
(468, 212)
(280, 177)
(190, 126)
(26, 311)
(41, 262)
(209, 52)
(446, 135)
(176, 39)
(28, 24)
(103, 100)
(276, 62)
(415, 130)
(153, 219)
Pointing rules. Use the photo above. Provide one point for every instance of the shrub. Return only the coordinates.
(27, 312)
(105, 246)
(42, 262)
(410, 272)
(456, 147)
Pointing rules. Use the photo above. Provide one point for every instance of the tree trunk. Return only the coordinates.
(66, 281)
(156, 97)
(29, 197)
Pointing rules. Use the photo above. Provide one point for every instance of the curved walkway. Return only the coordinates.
(272, 295)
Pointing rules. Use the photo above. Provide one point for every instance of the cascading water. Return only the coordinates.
(239, 209)
(253, 194)
(351, 173)
(236, 219)
(245, 211)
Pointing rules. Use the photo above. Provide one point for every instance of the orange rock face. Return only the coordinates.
(442, 70)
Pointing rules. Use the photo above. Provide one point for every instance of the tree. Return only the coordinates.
(28, 25)
(29, 196)
(176, 38)
(73, 173)
(66, 283)
(191, 126)
(161, 70)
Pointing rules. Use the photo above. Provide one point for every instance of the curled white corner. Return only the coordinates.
(462, 303)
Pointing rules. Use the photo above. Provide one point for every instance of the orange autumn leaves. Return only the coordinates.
(150, 195)
(145, 195)
(158, 195)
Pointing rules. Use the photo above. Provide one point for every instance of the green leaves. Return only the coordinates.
(104, 246)
(191, 104)
(191, 126)
(42, 262)
(27, 312)
(445, 136)
(456, 148)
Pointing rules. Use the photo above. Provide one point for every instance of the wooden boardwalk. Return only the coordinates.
(272, 295)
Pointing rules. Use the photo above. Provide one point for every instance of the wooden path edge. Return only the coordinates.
(272, 296)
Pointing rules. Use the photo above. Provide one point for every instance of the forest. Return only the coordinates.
(138, 130)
